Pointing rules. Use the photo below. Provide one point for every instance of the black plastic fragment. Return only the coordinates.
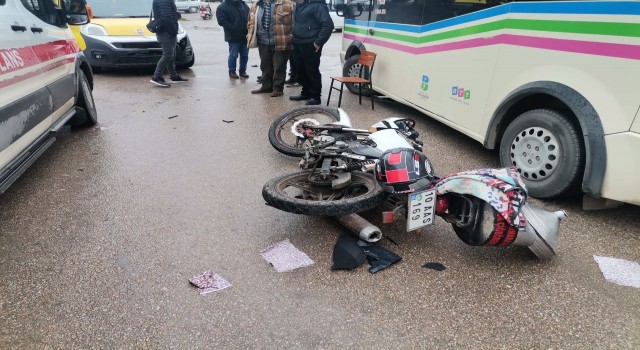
(378, 257)
(347, 255)
(434, 266)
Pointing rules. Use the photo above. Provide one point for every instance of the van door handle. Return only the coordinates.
(36, 30)
(18, 28)
(371, 31)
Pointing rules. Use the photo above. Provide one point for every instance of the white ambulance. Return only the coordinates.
(45, 80)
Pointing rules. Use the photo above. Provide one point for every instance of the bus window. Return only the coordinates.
(359, 10)
(462, 7)
(421, 12)
(399, 11)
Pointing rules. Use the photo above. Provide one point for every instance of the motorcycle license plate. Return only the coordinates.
(421, 209)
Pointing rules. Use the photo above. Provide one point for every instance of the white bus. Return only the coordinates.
(554, 85)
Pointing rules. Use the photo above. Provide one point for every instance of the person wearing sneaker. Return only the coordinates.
(167, 13)
(272, 22)
(293, 81)
(232, 16)
(312, 28)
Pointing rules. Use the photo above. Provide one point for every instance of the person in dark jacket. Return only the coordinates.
(312, 28)
(167, 34)
(232, 16)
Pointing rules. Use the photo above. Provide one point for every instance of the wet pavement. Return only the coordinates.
(99, 238)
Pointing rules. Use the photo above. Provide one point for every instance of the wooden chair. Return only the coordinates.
(367, 59)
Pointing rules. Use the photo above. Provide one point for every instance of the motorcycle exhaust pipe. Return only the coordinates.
(541, 234)
(362, 228)
(476, 223)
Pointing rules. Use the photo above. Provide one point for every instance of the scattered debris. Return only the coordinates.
(619, 271)
(208, 282)
(391, 240)
(227, 121)
(434, 266)
(285, 257)
(254, 65)
(378, 257)
(173, 116)
(347, 254)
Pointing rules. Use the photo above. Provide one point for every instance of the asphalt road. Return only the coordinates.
(99, 238)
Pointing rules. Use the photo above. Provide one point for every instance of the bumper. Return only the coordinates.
(132, 51)
(623, 166)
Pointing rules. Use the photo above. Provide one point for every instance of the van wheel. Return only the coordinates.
(546, 149)
(352, 69)
(86, 102)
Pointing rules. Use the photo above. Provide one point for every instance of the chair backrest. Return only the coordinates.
(367, 59)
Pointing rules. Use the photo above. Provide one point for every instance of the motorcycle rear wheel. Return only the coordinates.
(294, 193)
(280, 135)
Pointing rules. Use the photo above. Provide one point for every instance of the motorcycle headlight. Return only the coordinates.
(180, 29)
(93, 29)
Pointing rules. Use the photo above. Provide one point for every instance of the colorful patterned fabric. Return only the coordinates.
(503, 189)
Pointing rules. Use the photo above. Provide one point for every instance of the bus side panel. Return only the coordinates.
(602, 69)
(394, 73)
(456, 84)
(605, 82)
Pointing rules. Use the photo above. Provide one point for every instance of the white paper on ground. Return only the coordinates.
(619, 271)
(208, 282)
(285, 257)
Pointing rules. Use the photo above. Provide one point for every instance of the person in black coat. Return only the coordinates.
(312, 28)
(232, 16)
(167, 34)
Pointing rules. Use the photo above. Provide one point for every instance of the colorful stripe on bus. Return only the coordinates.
(422, 39)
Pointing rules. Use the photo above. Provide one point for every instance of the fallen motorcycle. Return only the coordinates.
(337, 161)
(348, 170)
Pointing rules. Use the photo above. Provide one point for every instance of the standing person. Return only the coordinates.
(167, 35)
(293, 81)
(272, 23)
(232, 16)
(311, 30)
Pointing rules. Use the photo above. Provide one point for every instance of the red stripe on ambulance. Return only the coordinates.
(19, 78)
(12, 60)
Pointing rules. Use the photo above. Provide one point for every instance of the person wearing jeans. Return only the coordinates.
(238, 48)
(232, 16)
(167, 13)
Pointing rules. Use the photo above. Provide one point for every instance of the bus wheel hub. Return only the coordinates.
(535, 153)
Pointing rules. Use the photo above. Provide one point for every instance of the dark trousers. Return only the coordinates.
(293, 71)
(308, 67)
(168, 59)
(273, 65)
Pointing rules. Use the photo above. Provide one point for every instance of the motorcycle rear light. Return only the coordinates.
(387, 217)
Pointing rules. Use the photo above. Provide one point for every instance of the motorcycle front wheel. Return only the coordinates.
(282, 138)
(297, 193)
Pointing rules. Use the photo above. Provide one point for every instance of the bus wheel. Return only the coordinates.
(546, 149)
(352, 69)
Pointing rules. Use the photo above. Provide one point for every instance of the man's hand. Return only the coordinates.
(318, 47)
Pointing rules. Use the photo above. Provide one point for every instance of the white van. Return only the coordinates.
(45, 80)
